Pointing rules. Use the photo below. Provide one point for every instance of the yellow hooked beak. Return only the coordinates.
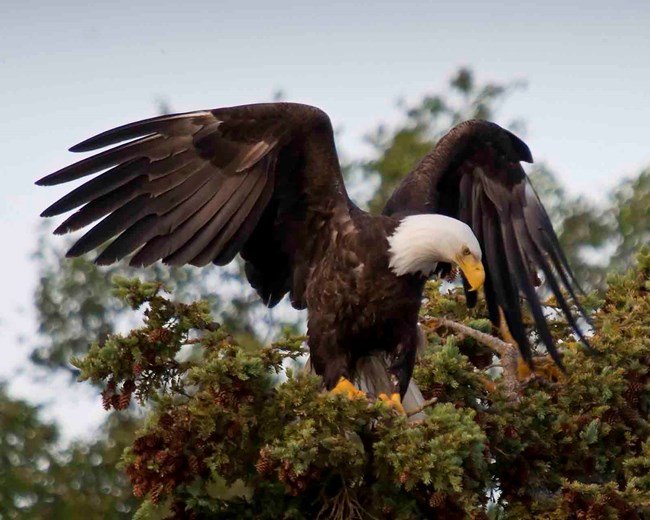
(472, 269)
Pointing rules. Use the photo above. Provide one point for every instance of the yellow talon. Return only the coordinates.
(347, 388)
(394, 402)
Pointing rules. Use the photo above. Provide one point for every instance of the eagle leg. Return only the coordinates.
(523, 369)
(344, 386)
(393, 401)
(504, 331)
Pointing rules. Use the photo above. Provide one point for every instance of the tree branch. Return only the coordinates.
(424, 405)
(506, 351)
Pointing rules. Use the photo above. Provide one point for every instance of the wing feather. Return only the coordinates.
(474, 174)
(233, 193)
(198, 187)
(232, 221)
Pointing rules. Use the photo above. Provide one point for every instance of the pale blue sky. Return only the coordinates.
(69, 69)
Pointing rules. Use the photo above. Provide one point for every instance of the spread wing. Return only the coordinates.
(474, 174)
(200, 187)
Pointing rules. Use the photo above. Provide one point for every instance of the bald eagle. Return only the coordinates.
(264, 181)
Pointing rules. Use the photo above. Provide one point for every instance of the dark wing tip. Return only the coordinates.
(48, 180)
(83, 146)
(521, 149)
(482, 130)
(49, 212)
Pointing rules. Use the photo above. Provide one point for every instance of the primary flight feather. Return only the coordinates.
(264, 181)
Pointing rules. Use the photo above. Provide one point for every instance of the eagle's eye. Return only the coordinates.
(466, 251)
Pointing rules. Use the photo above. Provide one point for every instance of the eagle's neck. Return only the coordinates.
(421, 241)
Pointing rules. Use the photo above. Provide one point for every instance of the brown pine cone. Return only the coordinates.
(123, 401)
(155, 493)
(169, 487)
(106, 400)
(437, 390)
(138, 490)
(166, 421)
(193, 463)
(159, 335)
(630, 414)
(161, 456)
(263, 466)
(128, 386)
(437, 499)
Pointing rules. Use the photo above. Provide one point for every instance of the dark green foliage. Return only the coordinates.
(228, 438)
(631, 208)
(74, 304)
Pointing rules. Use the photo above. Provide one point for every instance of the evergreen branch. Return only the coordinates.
(506, 351)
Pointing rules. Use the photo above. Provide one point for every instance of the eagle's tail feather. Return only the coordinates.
(372, 378)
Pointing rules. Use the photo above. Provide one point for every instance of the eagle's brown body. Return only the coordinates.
(264, 181)
(356, 303)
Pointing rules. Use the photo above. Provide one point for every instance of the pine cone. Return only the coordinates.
(404, 477)
(437, 390)
(264, 463)
(155, 493)
(437, 499)
(128, 386)
(630, 414)
(140, 444)
(123, 401)
(137, 369)
(263, 466)
(106, 400)
(632, 394)
(610, 417)
(166, 421)
(193, 463)
(161, 456)
(223, 398)
(138, 490)
(169, 487)
(159, 336)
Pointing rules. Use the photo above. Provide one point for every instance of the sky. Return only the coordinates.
(70, 69)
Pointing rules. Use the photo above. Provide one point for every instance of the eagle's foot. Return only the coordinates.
(345, 387)
(393, 402)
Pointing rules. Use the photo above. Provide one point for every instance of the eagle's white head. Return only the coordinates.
(421, 241)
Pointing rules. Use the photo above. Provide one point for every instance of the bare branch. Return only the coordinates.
(506, 351)
(424, 405)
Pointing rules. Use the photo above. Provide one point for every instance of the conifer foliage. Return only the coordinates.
(242, 432)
